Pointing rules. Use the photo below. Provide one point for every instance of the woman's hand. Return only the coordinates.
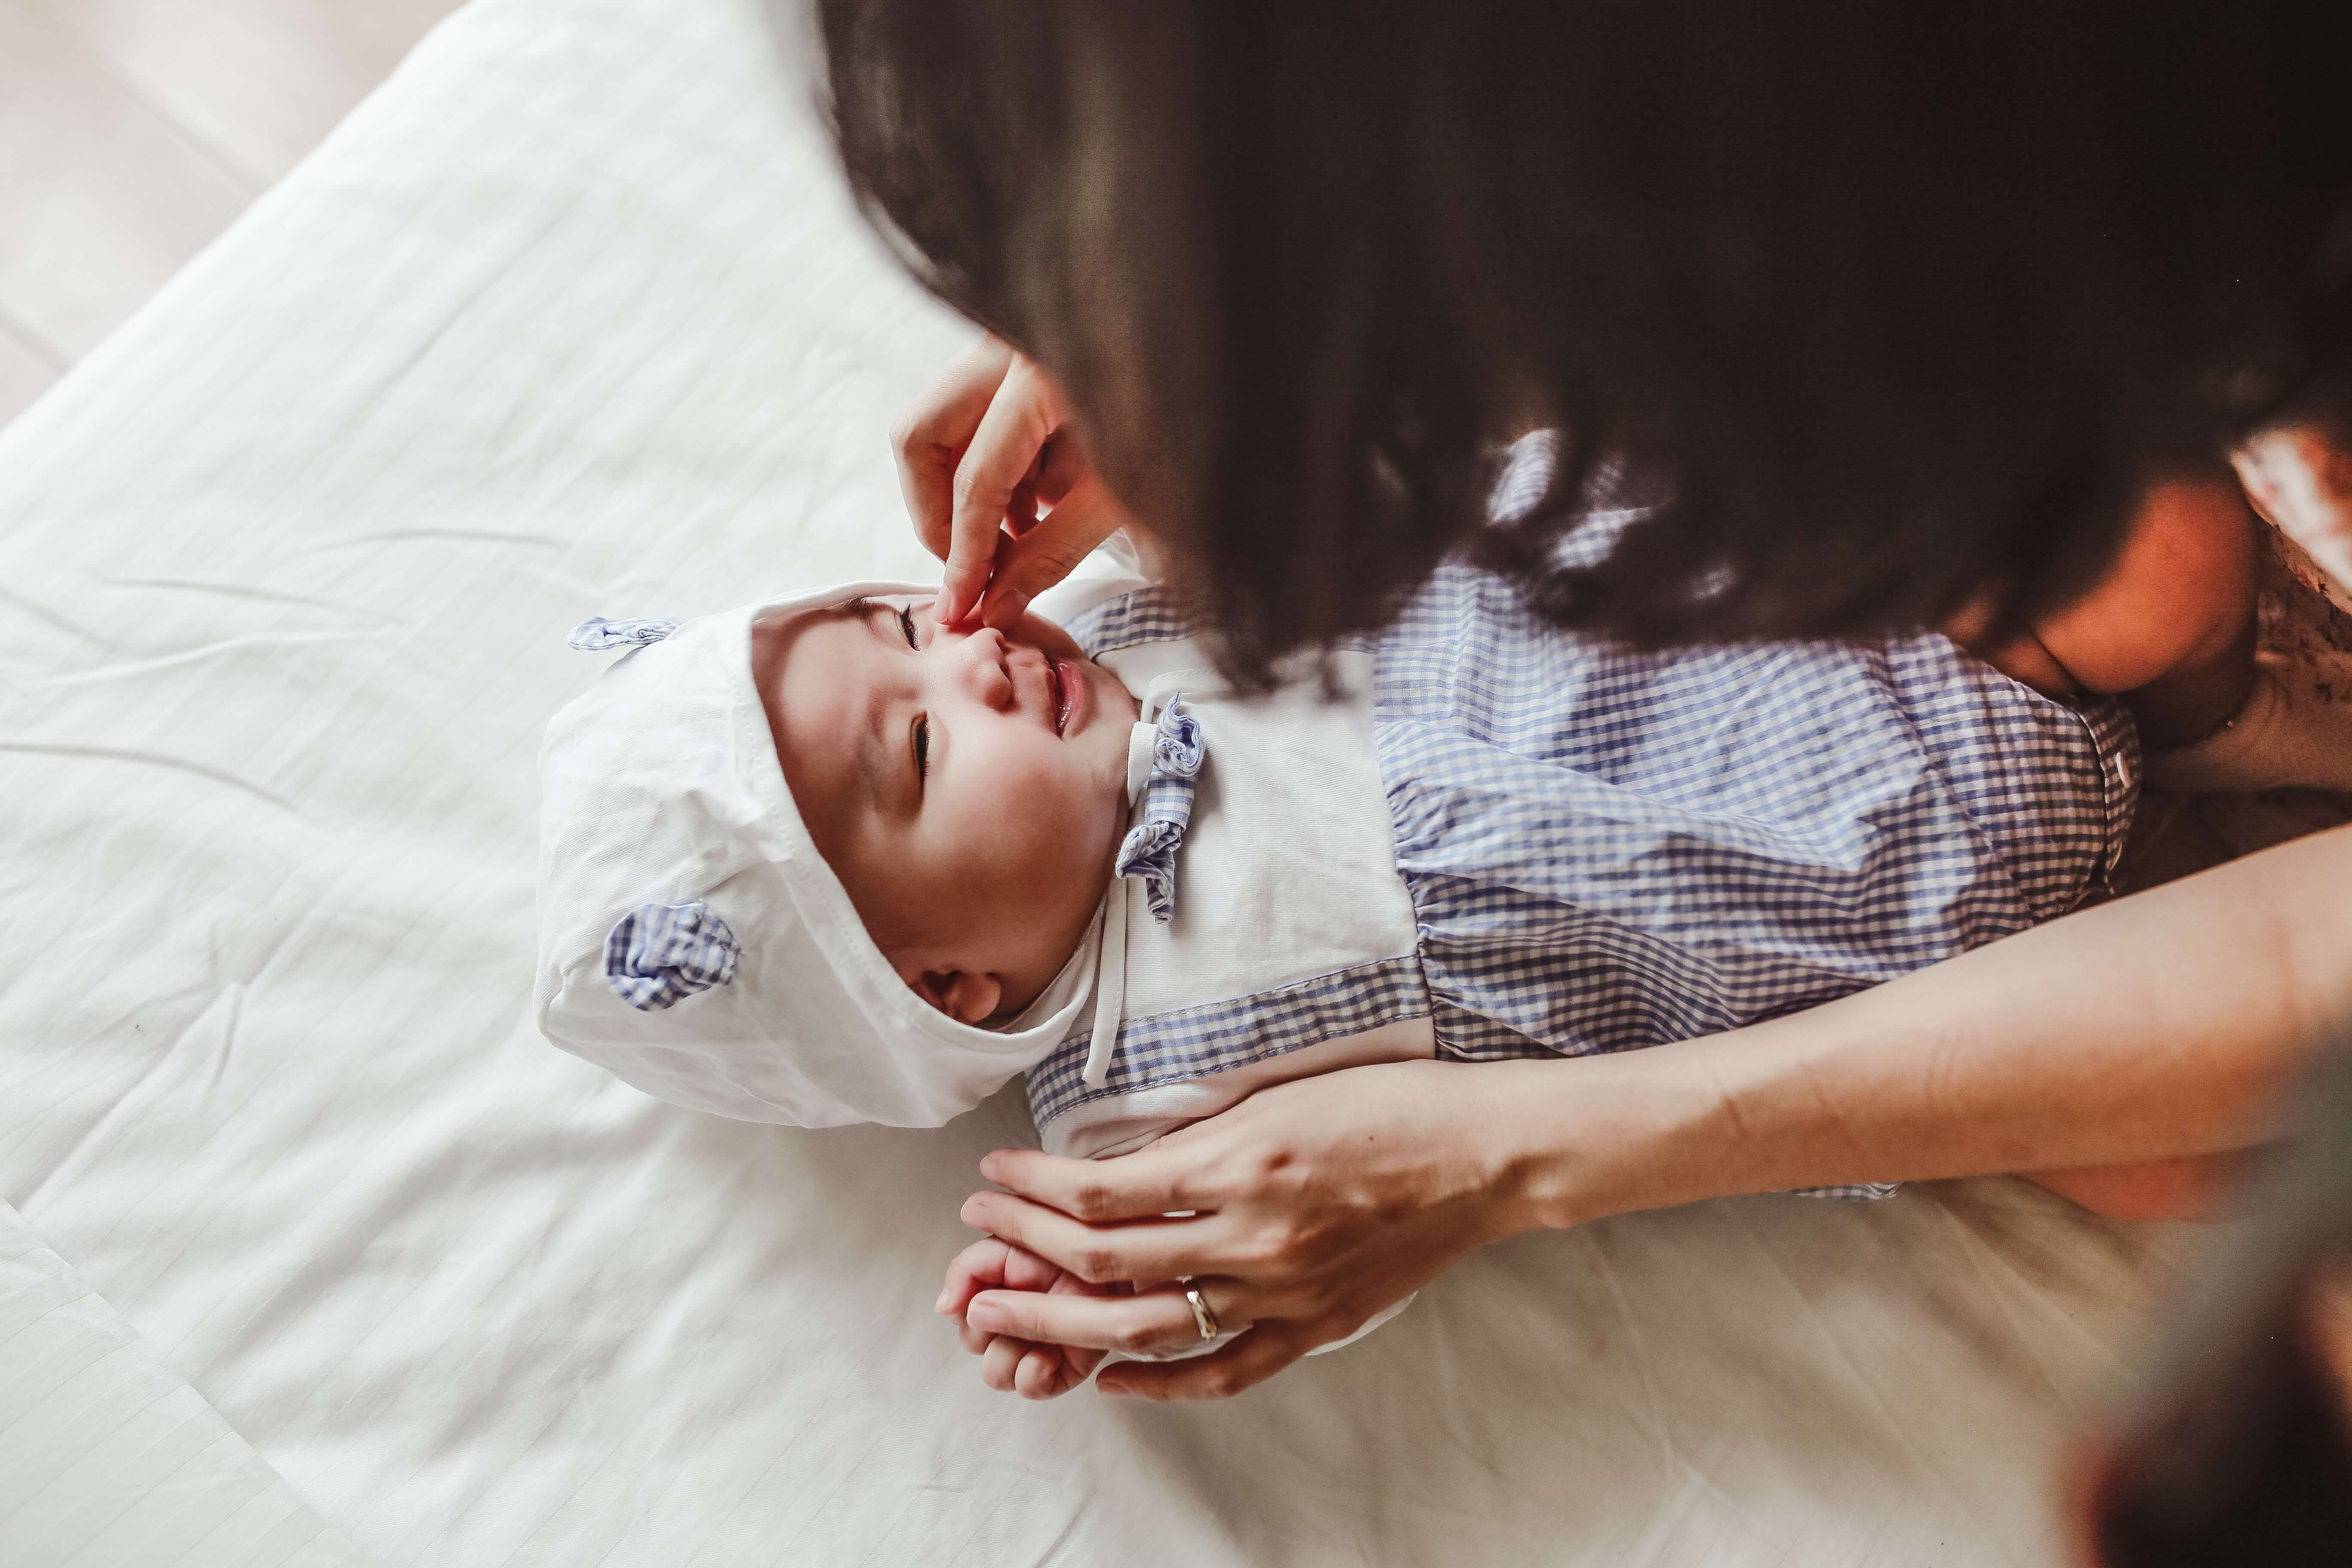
(1312, 1205)
(988, 448)
(1006, 1365)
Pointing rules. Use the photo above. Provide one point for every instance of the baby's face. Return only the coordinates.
(968, 789)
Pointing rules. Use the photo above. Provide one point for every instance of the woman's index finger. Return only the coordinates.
(1141, 1186)
(1022, 414)
(932, 436)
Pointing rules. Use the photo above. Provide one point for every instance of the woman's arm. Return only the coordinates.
(2154, 1027)
(2148, 1028)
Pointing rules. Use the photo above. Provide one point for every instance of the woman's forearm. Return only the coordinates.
(2158, 1026)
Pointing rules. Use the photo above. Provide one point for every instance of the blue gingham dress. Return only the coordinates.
(1608, 849)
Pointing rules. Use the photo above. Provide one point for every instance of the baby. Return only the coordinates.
(821, 860)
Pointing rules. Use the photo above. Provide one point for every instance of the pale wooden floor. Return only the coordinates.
(131, 132)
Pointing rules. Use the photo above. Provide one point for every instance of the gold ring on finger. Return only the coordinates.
(1203, 1318)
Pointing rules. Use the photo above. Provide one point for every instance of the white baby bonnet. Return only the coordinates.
(661, 792)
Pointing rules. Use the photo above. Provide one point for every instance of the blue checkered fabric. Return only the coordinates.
(1608, 849)
(1156, 613)
(597, 634)
(1196, 1042)
(1149, 851)
(657, 956)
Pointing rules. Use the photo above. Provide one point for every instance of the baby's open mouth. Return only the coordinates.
(1058, 682)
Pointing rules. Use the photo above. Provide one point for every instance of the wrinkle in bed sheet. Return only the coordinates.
(106, 1455)
(572, 318)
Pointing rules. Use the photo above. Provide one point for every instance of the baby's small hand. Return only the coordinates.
(1011, 1365)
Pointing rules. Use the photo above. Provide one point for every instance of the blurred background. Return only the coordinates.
(133, 132)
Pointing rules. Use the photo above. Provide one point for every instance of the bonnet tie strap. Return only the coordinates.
(1164, 754)
(596, 634)
(1173, 758)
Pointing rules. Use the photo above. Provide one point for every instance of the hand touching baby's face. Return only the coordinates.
(968, 787)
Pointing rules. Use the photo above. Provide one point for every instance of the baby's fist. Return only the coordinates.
(1007, 1365)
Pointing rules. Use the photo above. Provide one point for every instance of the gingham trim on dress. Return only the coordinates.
(1154, 613)
(1196, 1042)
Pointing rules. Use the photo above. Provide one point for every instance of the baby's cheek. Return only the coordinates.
(1053, 825)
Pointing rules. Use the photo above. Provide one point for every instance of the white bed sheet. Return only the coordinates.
(570, 318)
(108, 1456)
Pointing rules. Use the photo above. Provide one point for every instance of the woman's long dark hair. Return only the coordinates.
(1891, 305)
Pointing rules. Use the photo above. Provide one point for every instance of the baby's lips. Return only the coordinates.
(1077, 697)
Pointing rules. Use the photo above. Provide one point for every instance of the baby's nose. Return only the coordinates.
(984, 654)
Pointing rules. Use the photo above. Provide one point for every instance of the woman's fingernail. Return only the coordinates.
(988, 1167)
(940, 1306)
(975, 1212)
(984, 1315)
(1113, 1387)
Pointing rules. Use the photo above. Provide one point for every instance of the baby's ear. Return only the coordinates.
(967, 998)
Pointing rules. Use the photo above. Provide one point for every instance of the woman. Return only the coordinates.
(1902, 310)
